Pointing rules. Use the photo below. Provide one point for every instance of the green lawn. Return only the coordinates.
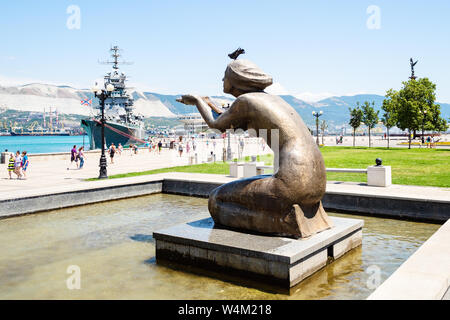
(424, 167)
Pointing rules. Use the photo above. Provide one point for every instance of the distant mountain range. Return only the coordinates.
(36, 97)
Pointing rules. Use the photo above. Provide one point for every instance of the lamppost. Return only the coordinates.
(423, 125)
(229, 142)
(229, 146)
(317, 115)
(102, 95)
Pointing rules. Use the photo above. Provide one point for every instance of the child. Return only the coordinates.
(11, 165)
(24, 164)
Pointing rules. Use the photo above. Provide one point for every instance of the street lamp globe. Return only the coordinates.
(95, 88)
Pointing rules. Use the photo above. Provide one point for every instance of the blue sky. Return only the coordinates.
(311, 48)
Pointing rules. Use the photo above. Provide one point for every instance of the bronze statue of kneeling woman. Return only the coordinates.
(287, 203)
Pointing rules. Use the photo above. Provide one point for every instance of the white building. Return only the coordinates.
(193, 123)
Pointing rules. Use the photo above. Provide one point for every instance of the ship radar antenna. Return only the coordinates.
(115, 54)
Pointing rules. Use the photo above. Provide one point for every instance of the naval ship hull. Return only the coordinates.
(125, 137)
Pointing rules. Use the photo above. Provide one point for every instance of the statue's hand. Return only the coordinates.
(188, 99)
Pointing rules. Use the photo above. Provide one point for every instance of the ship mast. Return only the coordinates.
(115, 55)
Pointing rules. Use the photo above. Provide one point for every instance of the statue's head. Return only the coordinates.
(243, 76)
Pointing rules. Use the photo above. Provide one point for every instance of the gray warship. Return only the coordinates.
(122, 125)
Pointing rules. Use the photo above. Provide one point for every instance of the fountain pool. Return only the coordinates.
(112, 244)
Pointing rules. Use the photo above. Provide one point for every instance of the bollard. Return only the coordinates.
(4, 156)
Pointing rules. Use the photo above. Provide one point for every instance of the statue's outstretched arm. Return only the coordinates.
(227, 120)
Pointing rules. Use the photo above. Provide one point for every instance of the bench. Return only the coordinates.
(261, 169)
(377, 176)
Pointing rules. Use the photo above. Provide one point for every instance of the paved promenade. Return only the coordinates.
(49, 174)
(52, 174)
(49, 178)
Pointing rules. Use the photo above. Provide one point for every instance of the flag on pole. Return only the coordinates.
(86, 102)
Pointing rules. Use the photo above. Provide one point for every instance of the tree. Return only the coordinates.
(323, 127)
(415, 107)
(355, 119)
(370, 116)
(388, 118)
(436, 122)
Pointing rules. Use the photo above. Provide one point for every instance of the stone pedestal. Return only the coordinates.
(250, 168)
(276, 260)
(379, 176)
(237, 169)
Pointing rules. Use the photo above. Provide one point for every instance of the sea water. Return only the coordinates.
(42, 144)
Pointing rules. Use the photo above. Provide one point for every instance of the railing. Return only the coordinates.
(346, 170)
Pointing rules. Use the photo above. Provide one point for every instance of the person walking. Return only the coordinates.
(81, 156)
(188, 147)
(11, 165)
(150, 145)
(24, 164)
(180, 149)
(131, 149)
(119, 149)
(18, 164)
(159, 147)
(433, 142)
(112, 151)
(73, 156)
(428, 142)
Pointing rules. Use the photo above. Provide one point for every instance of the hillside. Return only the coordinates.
(35, 97)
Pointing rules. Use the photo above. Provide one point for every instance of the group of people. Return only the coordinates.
(189, 145)
(431, 141)
(113, 150)
(77, 155)
(152, 145)
(18, 164)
